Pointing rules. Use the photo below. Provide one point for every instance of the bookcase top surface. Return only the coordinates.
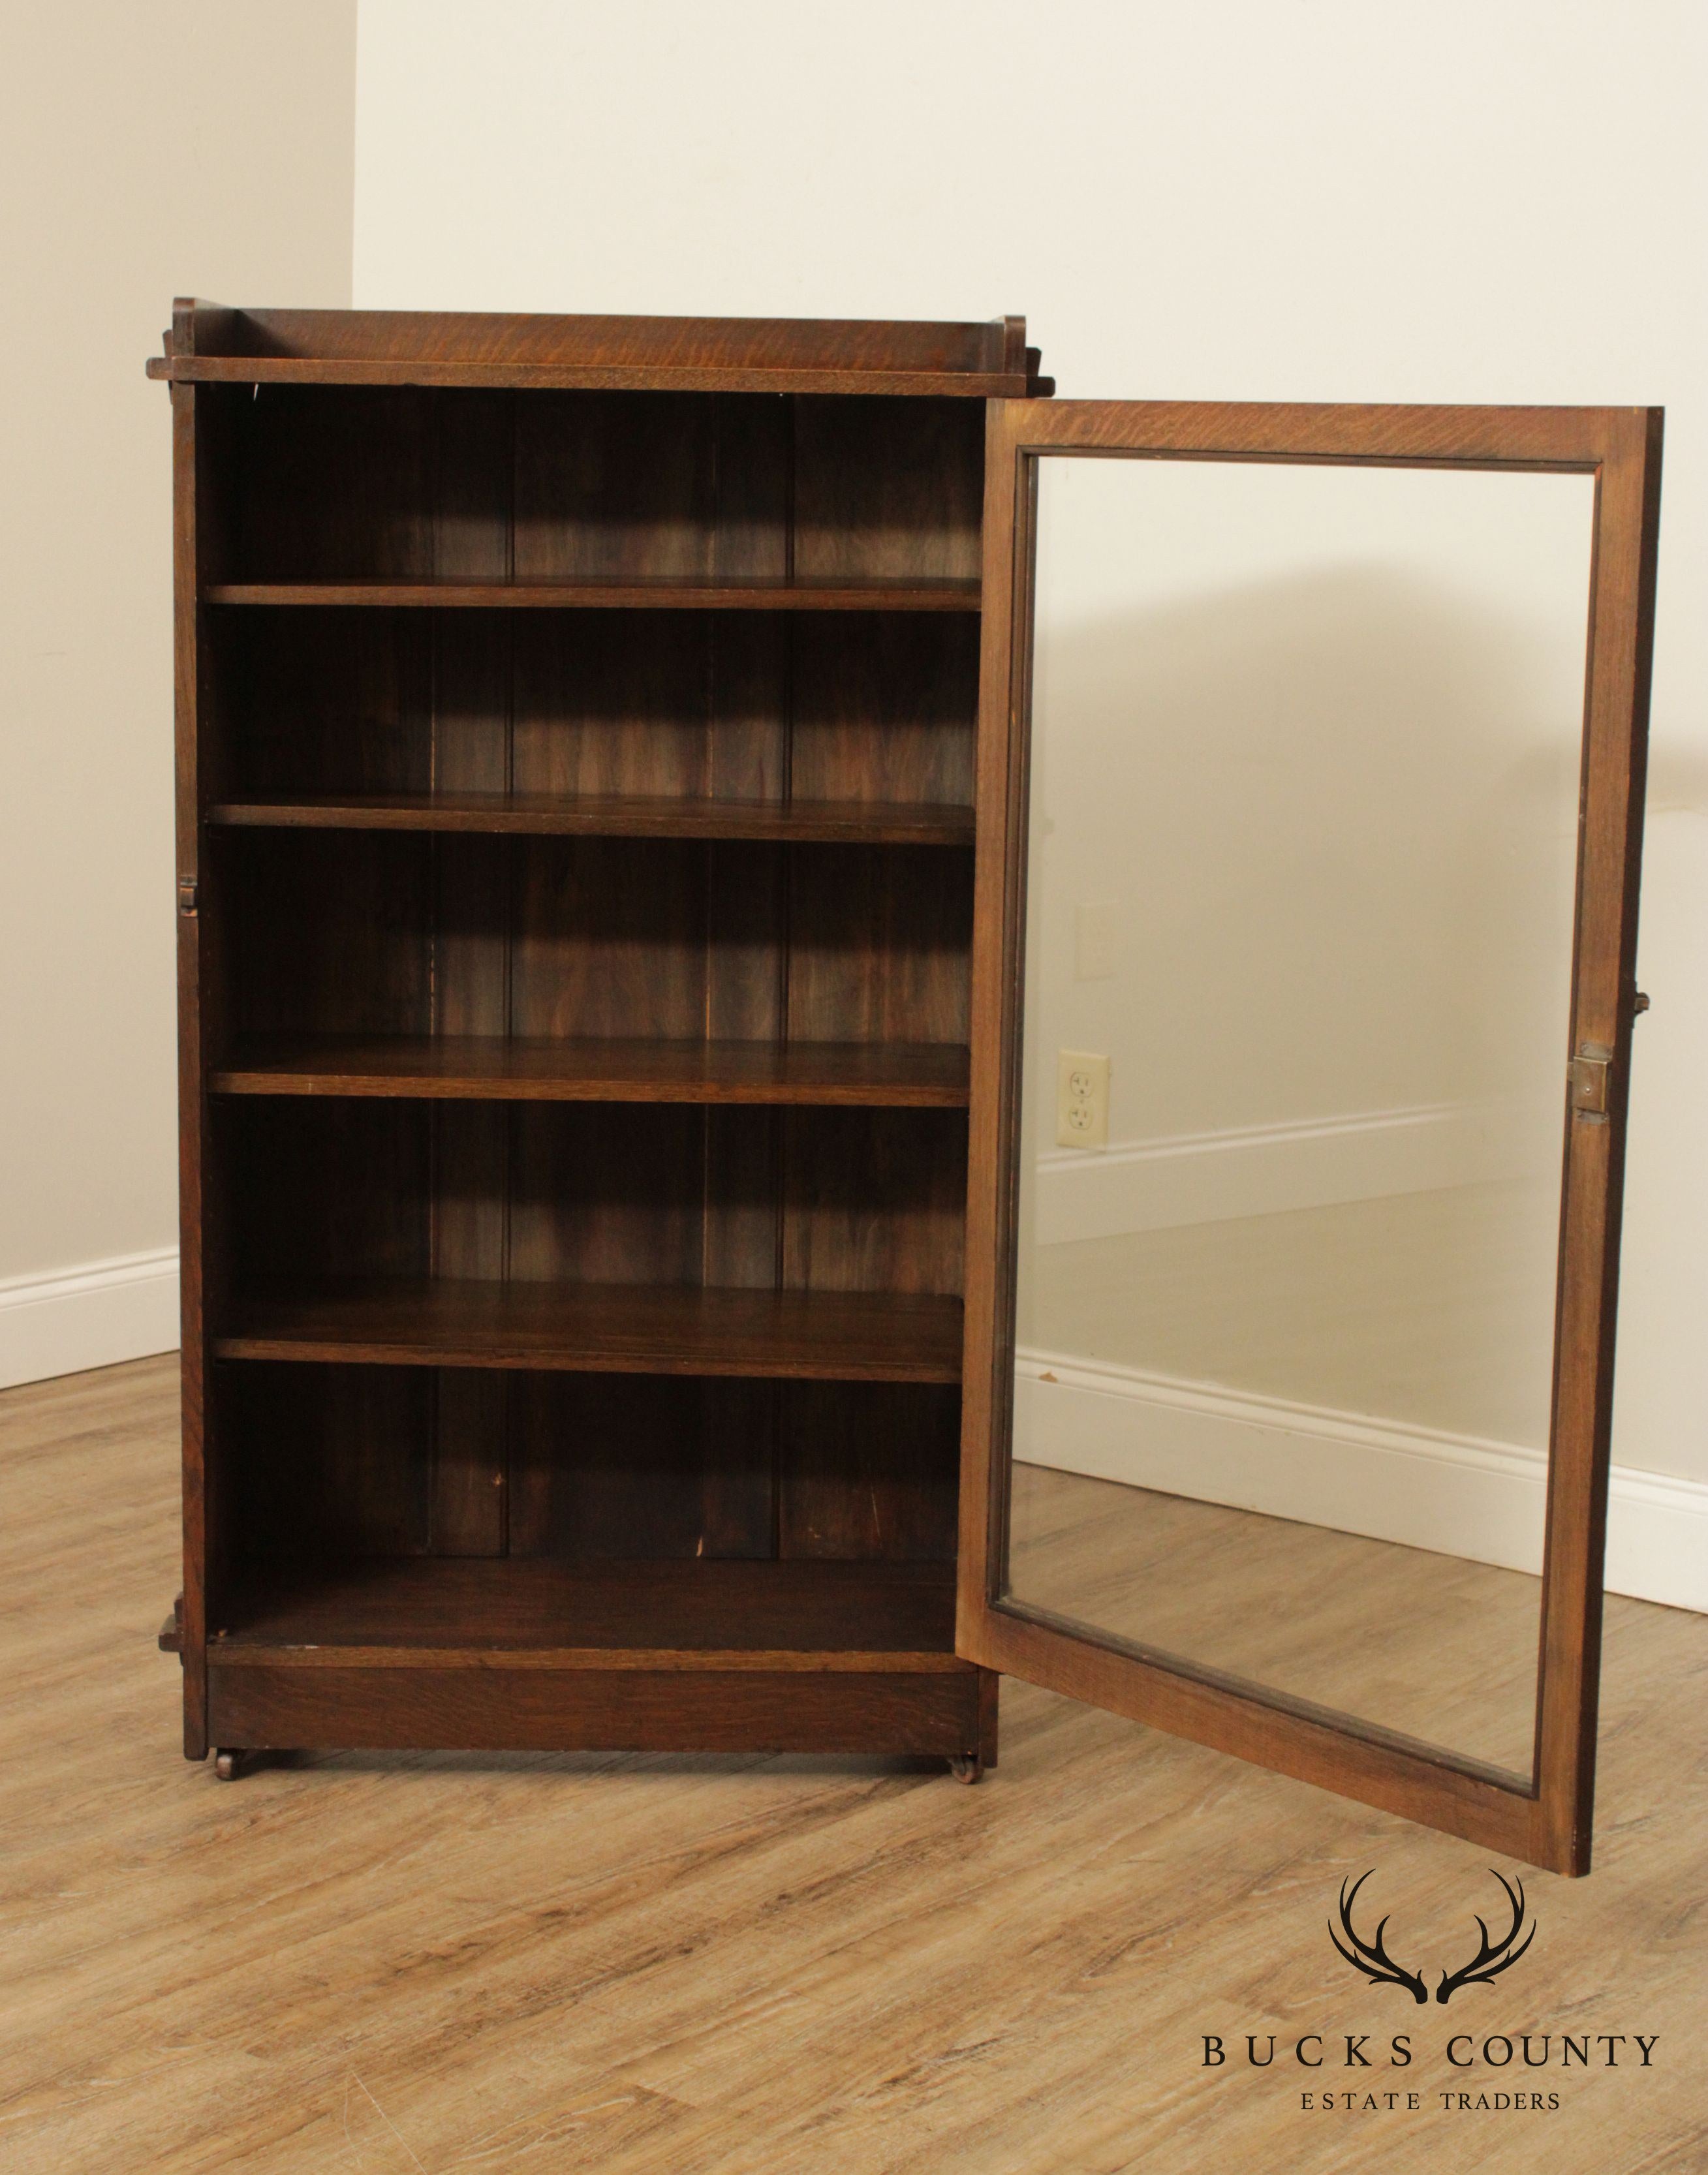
(210, 343)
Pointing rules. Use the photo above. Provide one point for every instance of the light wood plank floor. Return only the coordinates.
(744, 1966)
(1435, 1646)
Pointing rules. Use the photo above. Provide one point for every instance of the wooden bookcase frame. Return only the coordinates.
(601, 817)
(576, 723)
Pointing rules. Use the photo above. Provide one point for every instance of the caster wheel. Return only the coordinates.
(965, 1766)
(231, 1763)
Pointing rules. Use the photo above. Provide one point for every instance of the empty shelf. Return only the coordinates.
(610, 816)
(658, 1329)
(548, 1611)
(656, 593)
(490, 1068)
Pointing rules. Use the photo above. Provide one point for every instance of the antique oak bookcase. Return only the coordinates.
(603, 807)
(575, 772)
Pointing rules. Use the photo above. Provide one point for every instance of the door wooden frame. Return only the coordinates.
(1544, 1818)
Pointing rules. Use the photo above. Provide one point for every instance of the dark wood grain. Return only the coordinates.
(335, 1461)
(878, 945)
(532, 1605)
(472, 1463)
(626, 488)
(883, 707)
(604, 1328)
(888, 492)
(663, 593)
(868, 1471)
(338, 483)
(670, 1709)
(192, 546)
(332, 1188)
(314, 347)
(327, 933)
(873, 822)
(874, 1199)
(262, 369)
(621, 1467)
(1569, 439)
(682, 707)
(494, 1066)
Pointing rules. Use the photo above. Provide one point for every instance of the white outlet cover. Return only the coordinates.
(1081, 1100)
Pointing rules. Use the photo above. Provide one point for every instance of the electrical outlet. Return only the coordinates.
(1081, 1100)
(1097, 940)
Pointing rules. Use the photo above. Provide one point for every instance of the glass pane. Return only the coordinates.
(1305, 779)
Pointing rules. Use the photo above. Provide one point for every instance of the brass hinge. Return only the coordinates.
(1589, 1073)
(187, 896)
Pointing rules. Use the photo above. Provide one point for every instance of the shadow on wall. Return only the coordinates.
(1326, 827)
(1338, 814)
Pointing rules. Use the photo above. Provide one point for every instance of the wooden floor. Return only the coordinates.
(1435, 1646)
(756, 1966)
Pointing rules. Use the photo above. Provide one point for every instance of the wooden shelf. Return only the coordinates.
(208, 343)
(545, 377)
(836, 822)
(657, 594)
(543, 1612)
(626, 1329)
(483, 1068)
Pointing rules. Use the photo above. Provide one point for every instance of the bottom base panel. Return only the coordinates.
(264, 1707)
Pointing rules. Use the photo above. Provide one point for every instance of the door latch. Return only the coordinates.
(1589, 1073)
(187, 897)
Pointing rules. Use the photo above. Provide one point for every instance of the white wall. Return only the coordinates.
(1483, 200)
(185, 147)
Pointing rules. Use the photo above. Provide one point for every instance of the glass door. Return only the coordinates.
(1310, 773)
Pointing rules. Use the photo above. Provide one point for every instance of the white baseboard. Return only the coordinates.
(95, 1316)
(1265, 1170)
(1419, 1486)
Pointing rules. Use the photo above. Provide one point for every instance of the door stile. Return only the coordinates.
(1621, 640)
(993, 1033)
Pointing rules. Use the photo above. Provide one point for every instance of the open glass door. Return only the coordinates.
(1309, 797)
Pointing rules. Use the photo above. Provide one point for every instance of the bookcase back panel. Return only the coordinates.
(328, 932)
(821, 1200)
(471, 890)
(358, 932)
(407, 483)
(883, 707)
(888, 489)
(626, 485)
(870, 1470)
(335, 1461)
(385, 1462)
(608, 1194)
(343, 702)
(610, 938)
(875, 1200)
(622, 1466)
(878, 945)
(669, 704)
(326, 1188)
(821, 706)
(387, 483)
